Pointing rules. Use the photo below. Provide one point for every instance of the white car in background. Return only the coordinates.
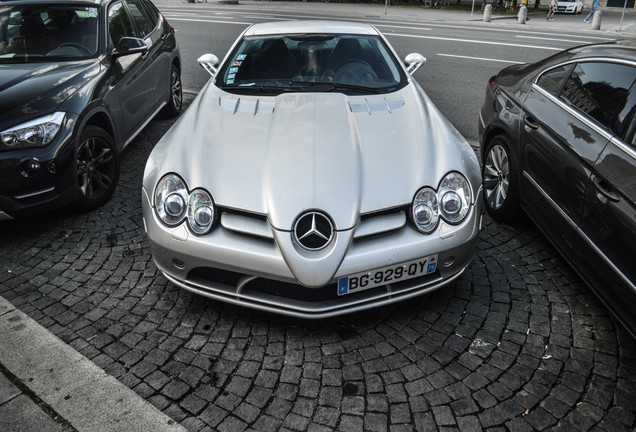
(569, 6)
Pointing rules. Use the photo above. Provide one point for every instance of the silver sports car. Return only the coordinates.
(312, 177)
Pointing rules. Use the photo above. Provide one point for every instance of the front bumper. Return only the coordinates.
(36, 180)
(245, 266)
(567, 9)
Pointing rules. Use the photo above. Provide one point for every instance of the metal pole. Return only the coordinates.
(622, 16)
(472, 11)
(386, 5)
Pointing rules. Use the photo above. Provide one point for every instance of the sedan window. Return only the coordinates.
(553, 80)
(600, 90)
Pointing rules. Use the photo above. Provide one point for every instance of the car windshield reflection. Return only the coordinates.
(317, 63)
(45, 33)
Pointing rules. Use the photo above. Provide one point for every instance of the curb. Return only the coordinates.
(73, 387)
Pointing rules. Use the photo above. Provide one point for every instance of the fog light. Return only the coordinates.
(178, 263)
(449, 261)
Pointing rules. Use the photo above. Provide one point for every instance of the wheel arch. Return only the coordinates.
(491, 132)
(101, 118)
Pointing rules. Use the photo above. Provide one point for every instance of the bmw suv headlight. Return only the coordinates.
(174, 204)
(36, 133)
(451, 202)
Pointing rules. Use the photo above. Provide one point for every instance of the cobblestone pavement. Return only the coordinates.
(517, 343)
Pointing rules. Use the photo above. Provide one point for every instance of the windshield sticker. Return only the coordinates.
(230, 81)
(92, 12)
(233, 70)
(231, 76)
(236, 63)
(241, 57)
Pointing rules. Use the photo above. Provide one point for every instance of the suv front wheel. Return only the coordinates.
(97, 167)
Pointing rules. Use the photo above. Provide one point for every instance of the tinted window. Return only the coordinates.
(143, 20)
(626, 120)
(47, 32)
(552, 81)
(600, 90)
(311, 62)
(119, 24)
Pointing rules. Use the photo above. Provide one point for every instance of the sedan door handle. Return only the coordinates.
(605, 189)
(530, 122)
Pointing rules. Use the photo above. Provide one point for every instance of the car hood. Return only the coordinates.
(28, 89)
(282, 155)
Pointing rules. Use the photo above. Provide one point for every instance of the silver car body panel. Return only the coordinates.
(267, 159)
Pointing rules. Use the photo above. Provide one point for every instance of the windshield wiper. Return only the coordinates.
(331, 86)
(254, 88)
(300, 86)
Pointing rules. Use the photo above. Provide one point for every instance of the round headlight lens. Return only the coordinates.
(200, 212)
(425, 210)
(454, 197)
(171, 196)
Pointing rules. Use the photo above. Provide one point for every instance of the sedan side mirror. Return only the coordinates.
(130, 45)
(413, 62)
(209, 62)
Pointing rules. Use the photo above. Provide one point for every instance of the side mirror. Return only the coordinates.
(209, 62)
(130, 45)
(413, 62)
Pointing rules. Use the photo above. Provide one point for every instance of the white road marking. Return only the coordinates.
(480, 58)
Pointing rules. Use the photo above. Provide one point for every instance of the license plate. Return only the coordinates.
(385, 275)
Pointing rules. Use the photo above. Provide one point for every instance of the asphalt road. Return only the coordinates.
(517, 343)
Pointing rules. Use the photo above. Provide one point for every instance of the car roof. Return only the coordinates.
(310, 26)
(622, 49)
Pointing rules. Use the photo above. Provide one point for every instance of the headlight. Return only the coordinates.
(200, 212)
(451, 202)
(425, 210)
(171, 199)
(174, 204)
(454, 197)
(36, 133)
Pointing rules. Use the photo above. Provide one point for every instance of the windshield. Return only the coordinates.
(351, 64)
(46, 33)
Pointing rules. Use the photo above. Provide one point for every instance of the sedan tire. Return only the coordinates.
(97, 167)
(501, 180)
(175, 99)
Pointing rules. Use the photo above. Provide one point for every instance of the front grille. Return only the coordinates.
(228, 281)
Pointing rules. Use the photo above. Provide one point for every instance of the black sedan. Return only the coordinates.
(78, 81)
(558, 140)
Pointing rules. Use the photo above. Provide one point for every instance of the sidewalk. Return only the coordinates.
(45, 385)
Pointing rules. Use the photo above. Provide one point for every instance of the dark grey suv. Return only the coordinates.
(558, 139)
(78, 81)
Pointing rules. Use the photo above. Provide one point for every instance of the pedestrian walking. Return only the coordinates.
(594, 7)
(552, 10)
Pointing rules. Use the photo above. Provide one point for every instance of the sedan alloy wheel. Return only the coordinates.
(501, 190)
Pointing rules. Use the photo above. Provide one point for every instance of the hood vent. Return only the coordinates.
(246, 105)
(376, 104)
